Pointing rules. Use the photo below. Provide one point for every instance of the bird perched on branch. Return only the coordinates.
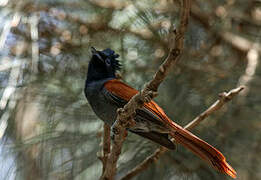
(106, 94)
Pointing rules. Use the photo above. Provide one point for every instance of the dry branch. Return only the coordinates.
(125, 115)
(145, 164)
(106, 146)
(248, 76)
(224, 98)
(238, 42)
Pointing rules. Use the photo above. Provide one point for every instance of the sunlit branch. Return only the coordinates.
(125, 115)
(223, 99)
(252, 63)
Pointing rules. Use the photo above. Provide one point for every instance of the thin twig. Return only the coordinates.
(146, 163)
(106, 144)
(238, 42)
(126, 114)
(224, 98)
(248, 76)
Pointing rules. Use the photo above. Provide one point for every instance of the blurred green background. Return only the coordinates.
(48, 130)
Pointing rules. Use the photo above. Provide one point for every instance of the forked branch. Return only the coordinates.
(223, 99)
(126, 114)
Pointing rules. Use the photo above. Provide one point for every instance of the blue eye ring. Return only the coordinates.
(107, 61)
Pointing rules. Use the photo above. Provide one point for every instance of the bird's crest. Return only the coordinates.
(107, 56)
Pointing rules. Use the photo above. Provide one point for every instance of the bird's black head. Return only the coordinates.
(102, 65)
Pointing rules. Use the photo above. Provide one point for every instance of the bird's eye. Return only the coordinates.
(107, 61)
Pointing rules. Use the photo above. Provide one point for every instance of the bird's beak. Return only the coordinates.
(93, 50)
(96, 53)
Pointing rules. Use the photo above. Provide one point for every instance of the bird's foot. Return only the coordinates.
(112, 136)
(173, 140)
(114, 133)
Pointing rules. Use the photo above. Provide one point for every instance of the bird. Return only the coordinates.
(106, 93)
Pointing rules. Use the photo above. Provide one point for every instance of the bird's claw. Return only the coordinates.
(173, 140)
(114, 131)
(112, 136)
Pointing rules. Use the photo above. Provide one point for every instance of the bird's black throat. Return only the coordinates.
(98, 72)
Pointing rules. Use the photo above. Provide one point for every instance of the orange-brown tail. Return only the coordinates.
(204, 150)
(199, 147)
(182, 136)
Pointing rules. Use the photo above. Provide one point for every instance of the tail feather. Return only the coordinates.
(159, 138)
(204, 150)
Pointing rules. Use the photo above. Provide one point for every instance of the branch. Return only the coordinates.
(145, 164)
(248, 76)
(224, 98)
(238, 42)
(126, 114)
(106, 146)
